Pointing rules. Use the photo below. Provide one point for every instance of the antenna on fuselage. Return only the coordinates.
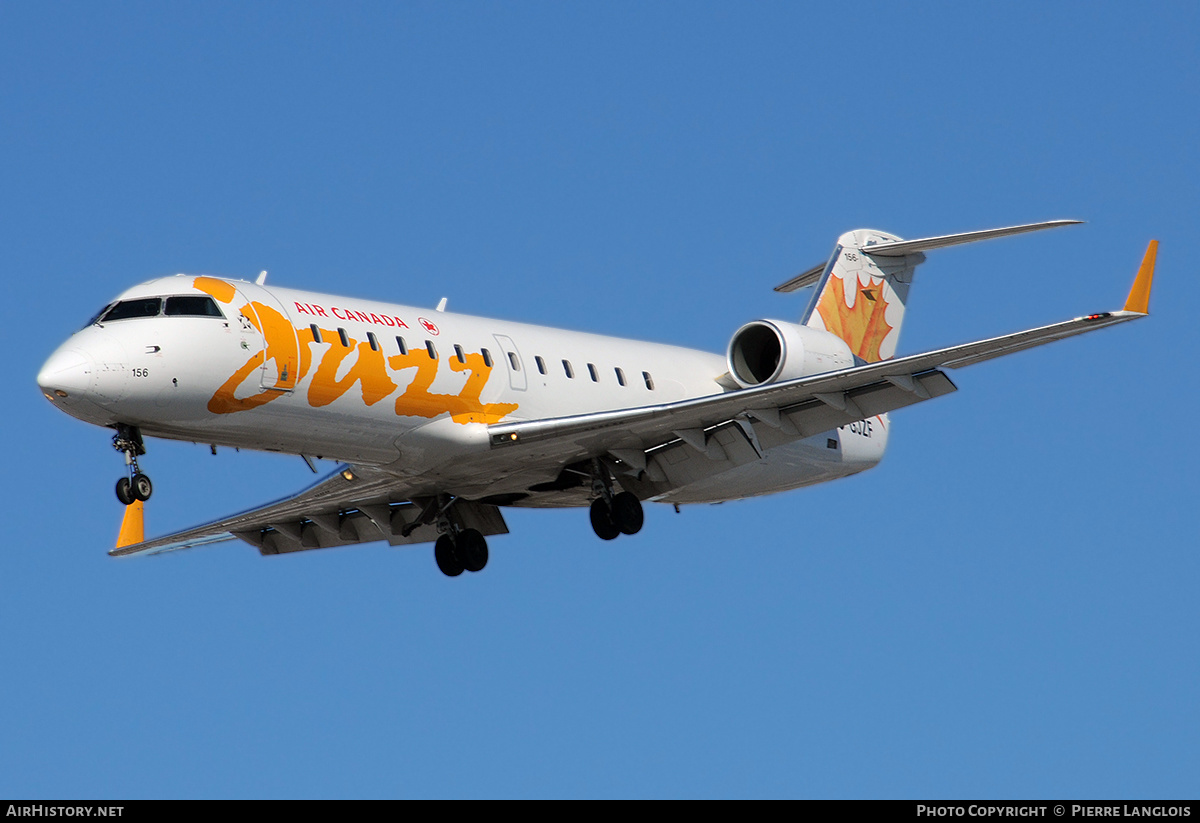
(262, 277)
(441, 306)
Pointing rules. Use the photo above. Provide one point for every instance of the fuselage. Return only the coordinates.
(410, 390)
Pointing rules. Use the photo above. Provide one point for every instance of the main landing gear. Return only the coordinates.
(457, 552)
(136, 486)
(458, 549)
(613, 514)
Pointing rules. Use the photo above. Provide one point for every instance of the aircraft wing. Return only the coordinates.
(354, 504)
(804, 406)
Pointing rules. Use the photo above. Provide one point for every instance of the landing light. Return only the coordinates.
(60, 392)
(513, 436)
(346, 473)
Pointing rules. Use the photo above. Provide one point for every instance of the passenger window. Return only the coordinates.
(316, 333)
(128, 309)
(487, 357)
(345, 337)
(620, 376)
(541, 364)
(567, 368)
(371, 339)
(592, 372)
(432, 351)
(512, 358)
(400, 343)
(192, 305)
(649, 380)
(459, 353)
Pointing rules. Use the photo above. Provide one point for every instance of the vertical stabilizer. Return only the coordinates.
(861, 298)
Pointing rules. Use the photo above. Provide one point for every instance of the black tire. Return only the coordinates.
(473, 550)
(602, 520)
(627, 513)
(446, 556)
(125, 491)
(142, 487)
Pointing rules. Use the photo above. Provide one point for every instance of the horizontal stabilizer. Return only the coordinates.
(805, 278)
(899, 248)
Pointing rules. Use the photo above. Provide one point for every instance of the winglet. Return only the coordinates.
(1139, 295)
(133, 527)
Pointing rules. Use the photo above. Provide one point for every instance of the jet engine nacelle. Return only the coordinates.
(764, 351)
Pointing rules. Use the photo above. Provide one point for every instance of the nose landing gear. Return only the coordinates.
(136, 486)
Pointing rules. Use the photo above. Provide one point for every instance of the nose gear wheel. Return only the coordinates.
(125, 491)
(136, 486)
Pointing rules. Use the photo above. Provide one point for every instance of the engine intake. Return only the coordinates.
(764, 351)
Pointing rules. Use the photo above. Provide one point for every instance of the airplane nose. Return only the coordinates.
(68, 373)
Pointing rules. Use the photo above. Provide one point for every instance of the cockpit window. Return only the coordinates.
(184, 305)
(96, 317)
(192, 305)
(126, 309)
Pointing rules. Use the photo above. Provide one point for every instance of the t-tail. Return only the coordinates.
(862, 291)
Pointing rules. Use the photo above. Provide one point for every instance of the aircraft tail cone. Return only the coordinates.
(133, 527)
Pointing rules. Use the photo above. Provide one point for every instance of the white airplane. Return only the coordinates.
(439, 420)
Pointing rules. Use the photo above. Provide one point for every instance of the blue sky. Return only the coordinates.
(1005, 607)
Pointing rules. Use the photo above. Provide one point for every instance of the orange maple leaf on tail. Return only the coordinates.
(862, 326)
